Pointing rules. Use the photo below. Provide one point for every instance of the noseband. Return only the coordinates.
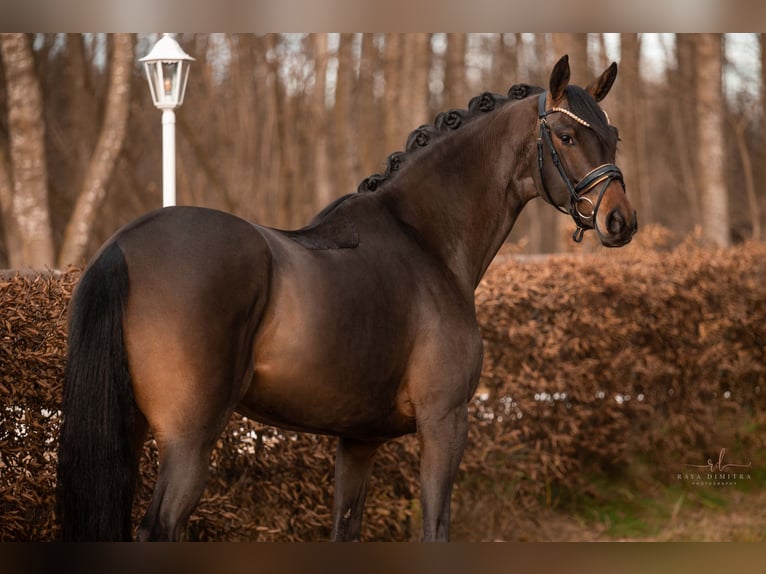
(604, 174)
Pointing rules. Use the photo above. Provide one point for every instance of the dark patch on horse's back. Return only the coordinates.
(330, 229)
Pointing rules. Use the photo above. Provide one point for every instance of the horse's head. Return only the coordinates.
(576, 152)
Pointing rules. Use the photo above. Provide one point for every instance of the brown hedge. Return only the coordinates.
(592, 364)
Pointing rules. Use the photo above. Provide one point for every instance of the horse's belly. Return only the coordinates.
(310, 404)
(332, 349)
(328, 385)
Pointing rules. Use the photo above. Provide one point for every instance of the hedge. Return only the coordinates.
(594, 363)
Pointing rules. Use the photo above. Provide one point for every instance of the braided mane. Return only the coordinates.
(444, 123)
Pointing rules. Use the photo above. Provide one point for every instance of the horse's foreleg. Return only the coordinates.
(442, 440)
(352, 471)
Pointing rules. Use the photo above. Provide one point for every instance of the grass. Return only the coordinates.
(638, 506)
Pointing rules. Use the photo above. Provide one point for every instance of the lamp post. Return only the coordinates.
(167, 69)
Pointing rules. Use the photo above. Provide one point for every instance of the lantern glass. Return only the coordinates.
(167, 82)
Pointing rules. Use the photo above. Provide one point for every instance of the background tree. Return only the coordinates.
(104, 158)
(318, 118)
(274, 126)
(629, 117)
(25, 207)
(762, 127)
(683, 128)
(455, 85)
(710, 147)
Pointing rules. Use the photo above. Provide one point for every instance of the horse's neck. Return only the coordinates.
(463, 196)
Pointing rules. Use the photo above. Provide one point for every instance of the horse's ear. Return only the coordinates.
(559, 80)
(600, 87)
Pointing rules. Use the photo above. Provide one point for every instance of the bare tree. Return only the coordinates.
(417, 63)
(367, 109)
(393, 74)
(683, 82)
(343, 159)
(455, 82)
(505, 62)
(6, 204)
(105, 155)
(762, 155)
(26, 211)
(740, 134)
(710, 165)
(262, 123)
(272, 156)
(682, 125)
(287, 203)
(630, 119)
(323, 191)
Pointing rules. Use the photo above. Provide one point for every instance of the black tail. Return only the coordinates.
(97, 458)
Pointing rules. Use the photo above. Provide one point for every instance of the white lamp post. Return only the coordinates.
(167, 69)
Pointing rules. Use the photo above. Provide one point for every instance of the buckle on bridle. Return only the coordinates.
(580, 214)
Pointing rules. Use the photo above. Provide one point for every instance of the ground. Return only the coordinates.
(715, 514)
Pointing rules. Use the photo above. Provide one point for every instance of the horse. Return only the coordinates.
(361, 325)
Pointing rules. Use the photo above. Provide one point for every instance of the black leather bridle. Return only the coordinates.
(603, 174)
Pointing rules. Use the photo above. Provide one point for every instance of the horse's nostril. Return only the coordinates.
(615, 222)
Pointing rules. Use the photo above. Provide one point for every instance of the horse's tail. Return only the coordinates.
(98, 446)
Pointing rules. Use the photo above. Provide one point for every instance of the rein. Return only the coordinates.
(602, 174)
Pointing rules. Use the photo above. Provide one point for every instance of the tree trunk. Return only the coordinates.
(9, 227)
(104, 156)
(268, 135)
(684, 125)
(505, 69)
(367, 110)
(394, 131)
(321, 175)
(711, 164)
(740, 129)
(246, 122)
(286, 147)
(343, 157)
(629, 104)
(417, 50)
(455, 88)
(762, 171)
(28, 210)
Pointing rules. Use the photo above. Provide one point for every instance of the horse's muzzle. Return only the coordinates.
(619, 228)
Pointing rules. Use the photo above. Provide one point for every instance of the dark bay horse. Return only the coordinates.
(361, 325)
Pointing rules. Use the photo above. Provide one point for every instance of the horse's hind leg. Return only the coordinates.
(187, 407)
(352, 471)
(181, 480)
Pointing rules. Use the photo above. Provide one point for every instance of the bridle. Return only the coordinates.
(603, 174)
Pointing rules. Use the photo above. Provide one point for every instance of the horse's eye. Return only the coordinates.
(566, 139)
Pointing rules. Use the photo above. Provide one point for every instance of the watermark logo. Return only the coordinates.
(715, 473)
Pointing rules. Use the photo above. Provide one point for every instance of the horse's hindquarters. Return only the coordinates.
(199, 279)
